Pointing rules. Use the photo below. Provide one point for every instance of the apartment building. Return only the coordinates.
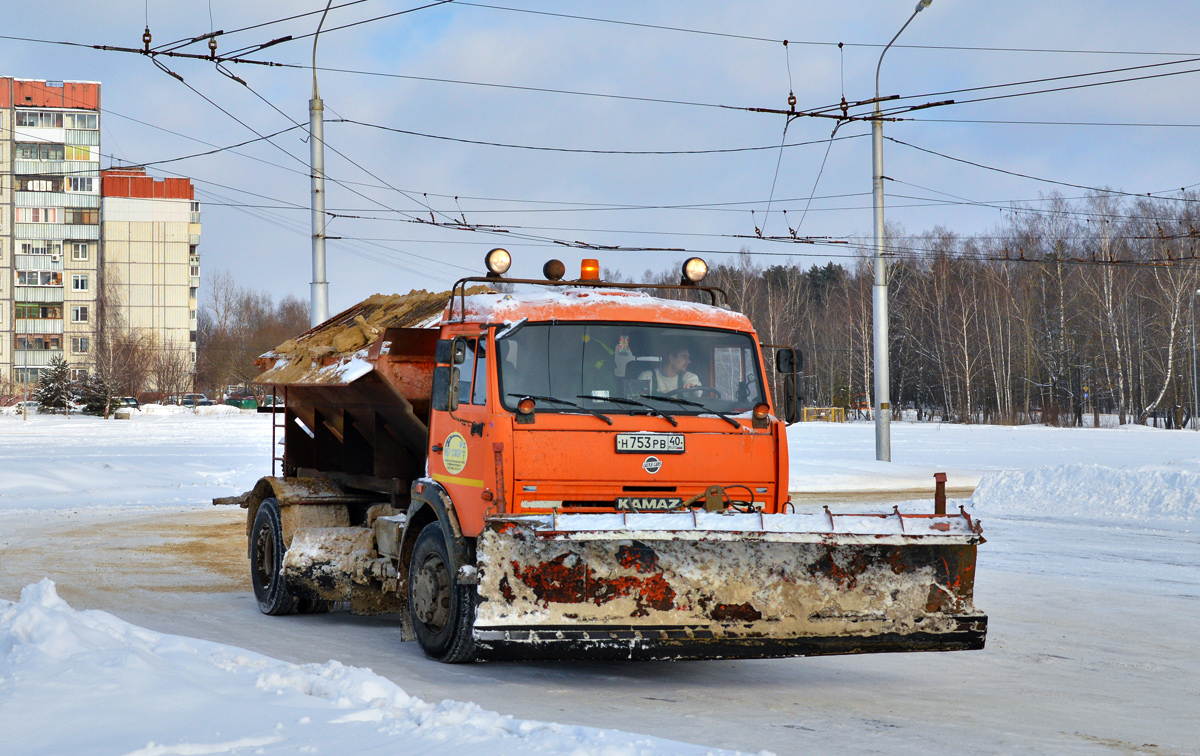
(149, 235)
(49, 224)
(70, 236)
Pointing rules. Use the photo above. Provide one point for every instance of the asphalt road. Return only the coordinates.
(1091, 649)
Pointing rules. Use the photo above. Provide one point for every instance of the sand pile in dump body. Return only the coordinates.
(316, 355)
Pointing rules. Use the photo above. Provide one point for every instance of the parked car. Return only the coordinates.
(196, 400)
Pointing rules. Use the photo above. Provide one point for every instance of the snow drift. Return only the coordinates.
(87, 682)
(1151, 496)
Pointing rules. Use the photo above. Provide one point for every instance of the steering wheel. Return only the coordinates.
(704, 389)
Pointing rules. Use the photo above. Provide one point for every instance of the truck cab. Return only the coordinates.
(567, 402)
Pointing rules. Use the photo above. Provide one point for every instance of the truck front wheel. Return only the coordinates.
(442, 611)
(266, 561)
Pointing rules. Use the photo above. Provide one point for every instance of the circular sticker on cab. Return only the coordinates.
(454, 453)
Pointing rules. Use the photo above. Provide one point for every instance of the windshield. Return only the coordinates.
(591, 364)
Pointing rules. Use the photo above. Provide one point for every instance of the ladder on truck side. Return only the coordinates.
(278, 430)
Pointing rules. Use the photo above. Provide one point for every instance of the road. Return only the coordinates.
(1091, 648)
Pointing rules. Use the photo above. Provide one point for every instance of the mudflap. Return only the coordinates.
(709, 585)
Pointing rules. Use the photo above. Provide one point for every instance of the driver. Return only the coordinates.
(672, 373)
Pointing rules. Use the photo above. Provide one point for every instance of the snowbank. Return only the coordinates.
(86, 682)
(1151, 496)
(208, 410)
(174, 458)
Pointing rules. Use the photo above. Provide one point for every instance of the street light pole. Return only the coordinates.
(879, 298)
(1195, 390)
(319, 289)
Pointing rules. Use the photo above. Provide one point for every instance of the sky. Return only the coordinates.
(663, 91)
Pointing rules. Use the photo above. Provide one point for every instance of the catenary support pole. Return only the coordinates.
(879, 296)
(1195, 389)
(319, 304)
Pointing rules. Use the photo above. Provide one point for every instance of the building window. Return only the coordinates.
(41, 248)
(79, 374)
(38, 184)
(80, 184)
(79, 251)
(79, 314)
(87, 121)
(75, 152)
(79, 282)
(192, 292)
(38, 311)
(195, 271)
(81, 217)
(40, 119)
(79, 344)
(27, 375)
(39, 151)
(37, 215)
(39, 278)
(24, 342)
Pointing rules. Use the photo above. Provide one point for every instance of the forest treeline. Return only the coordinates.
(235, 325)
(1072, 308)
(1078, 307)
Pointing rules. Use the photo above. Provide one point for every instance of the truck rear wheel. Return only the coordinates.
(266, 561)
(442, 612)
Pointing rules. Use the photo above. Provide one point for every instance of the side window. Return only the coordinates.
(465, 372)
(479, 391)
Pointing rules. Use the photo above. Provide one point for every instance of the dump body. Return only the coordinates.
(635, 508)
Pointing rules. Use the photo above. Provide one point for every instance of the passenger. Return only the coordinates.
(672, 373)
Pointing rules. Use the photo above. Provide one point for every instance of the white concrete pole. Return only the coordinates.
(879, 297)
(319, 288)
(319, 306)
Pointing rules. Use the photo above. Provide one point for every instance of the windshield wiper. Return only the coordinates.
(633, 403)
(690, 403)
(605, 418)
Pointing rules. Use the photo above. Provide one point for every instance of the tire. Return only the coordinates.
(266, 562)
(441, 610)
(313, 606)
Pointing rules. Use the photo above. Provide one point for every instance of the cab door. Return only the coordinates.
(461, 457)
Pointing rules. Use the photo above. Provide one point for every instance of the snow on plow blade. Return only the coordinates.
(700, 585)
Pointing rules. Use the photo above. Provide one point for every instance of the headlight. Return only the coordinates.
(498, 261)
(694, 270)
(554, 270)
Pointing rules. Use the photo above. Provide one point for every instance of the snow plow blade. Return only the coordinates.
(702, 585)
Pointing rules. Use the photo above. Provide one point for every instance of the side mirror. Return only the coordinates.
(788, 360)
(791, 399)
(444, 395)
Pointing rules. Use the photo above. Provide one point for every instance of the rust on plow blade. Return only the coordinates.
(713, 585)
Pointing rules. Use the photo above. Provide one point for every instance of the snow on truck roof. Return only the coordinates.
(587, 303)
(336, 352)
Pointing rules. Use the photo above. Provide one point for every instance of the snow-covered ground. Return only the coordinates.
(1091, 579)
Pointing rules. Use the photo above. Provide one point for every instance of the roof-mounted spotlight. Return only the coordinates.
(498, 261)
(554, 270)
(694, 271)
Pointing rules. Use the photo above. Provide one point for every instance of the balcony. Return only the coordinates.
(39, 325)
(34, 357)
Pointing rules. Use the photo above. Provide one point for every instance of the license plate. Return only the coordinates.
(647, 503)
(640, 443)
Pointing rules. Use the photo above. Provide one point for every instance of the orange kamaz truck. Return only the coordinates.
(550, 468)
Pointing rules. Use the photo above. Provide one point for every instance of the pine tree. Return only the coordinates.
(96, 394)
(55, 389)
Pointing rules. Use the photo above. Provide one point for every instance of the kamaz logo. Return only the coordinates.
(652, 465)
